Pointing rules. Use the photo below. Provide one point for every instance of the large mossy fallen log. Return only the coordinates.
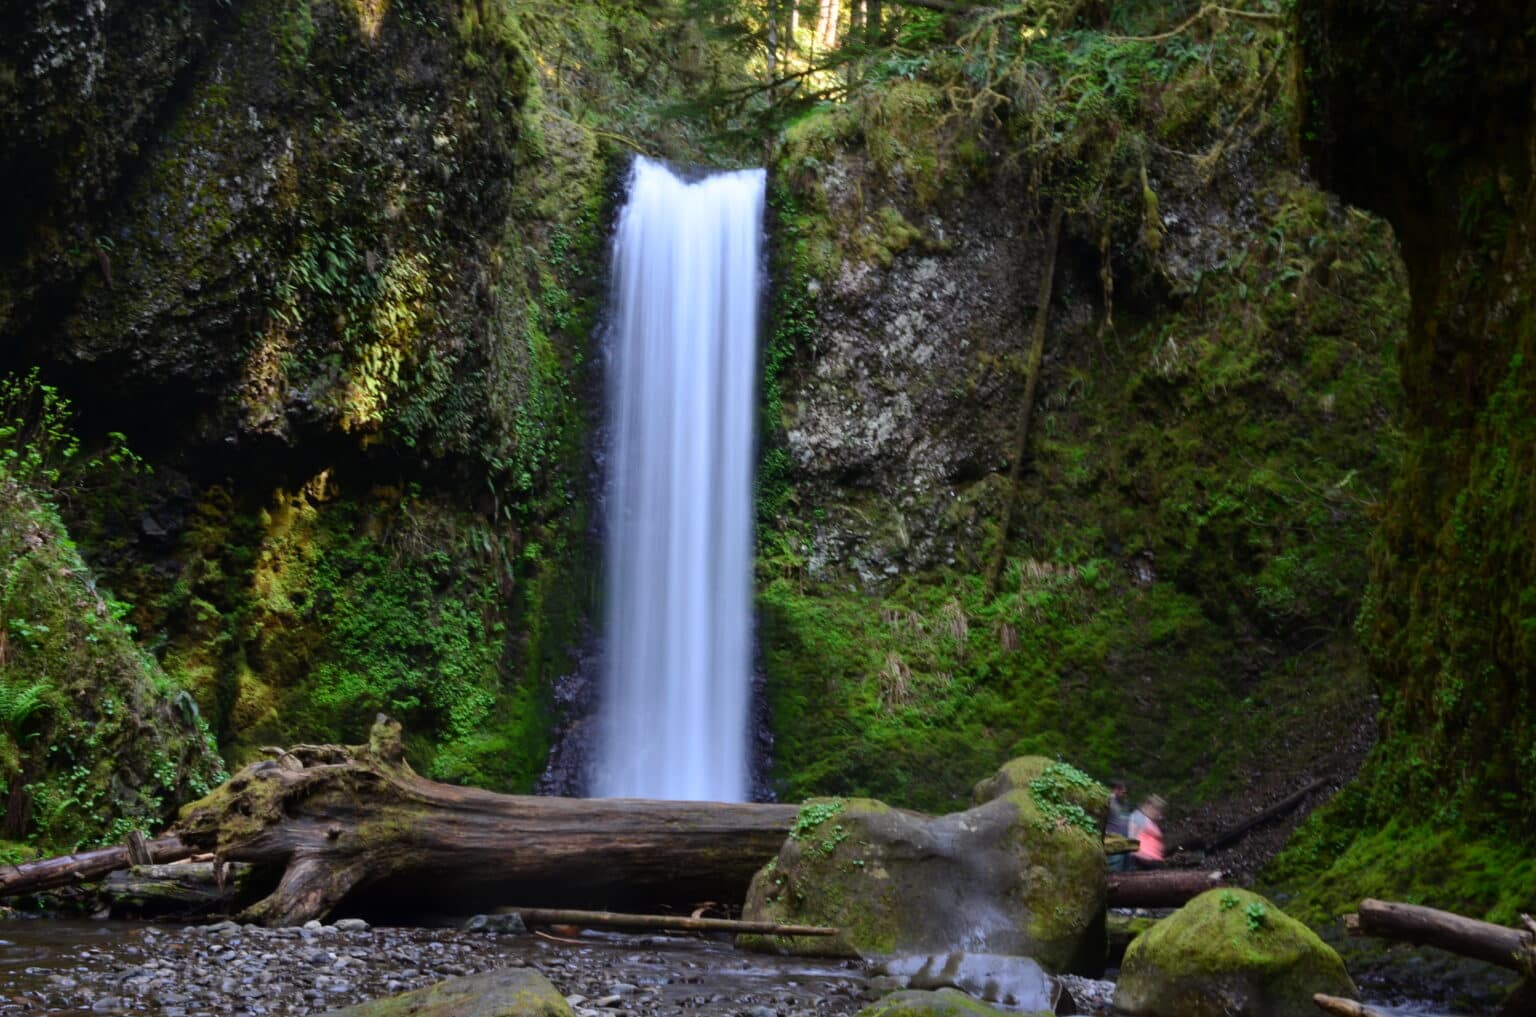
(337, 821)
(330, 824)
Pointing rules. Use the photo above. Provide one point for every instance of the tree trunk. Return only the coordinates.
(1413, 923)
(1159, 888)
(826, 25)
(1027, 407)
(344, 820)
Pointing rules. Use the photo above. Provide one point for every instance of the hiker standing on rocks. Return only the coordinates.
(1143, 827)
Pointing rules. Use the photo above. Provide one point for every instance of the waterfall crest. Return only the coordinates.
(682, 376)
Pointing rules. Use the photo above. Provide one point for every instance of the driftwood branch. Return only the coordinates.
(611, 920)
(1204, 12)
(1414, 923)
(1345, 1007)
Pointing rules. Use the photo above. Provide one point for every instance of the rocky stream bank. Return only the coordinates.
(229, 970)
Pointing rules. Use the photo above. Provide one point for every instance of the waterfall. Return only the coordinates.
(682, 373)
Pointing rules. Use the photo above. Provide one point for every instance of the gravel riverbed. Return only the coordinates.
(248, 971)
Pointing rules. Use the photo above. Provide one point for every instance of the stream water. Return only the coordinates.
(682, 372)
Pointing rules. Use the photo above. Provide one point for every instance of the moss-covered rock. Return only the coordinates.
(510, 992)
(1059, 789)
(1004, 877)
(943, 1003)
(1228, 953)
(94, 739)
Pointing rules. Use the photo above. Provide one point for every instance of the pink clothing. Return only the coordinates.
(1151, 837)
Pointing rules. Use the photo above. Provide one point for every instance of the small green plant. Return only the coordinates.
(1228, 900)
(811, 816)
(1051, 793)
(1257, 914)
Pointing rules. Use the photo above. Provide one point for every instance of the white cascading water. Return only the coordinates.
(682, 375)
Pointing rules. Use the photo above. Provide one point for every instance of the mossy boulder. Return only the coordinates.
(1228, 953)
(1004, 877)
(943, 1003)
(512, 992)
(1056, 786)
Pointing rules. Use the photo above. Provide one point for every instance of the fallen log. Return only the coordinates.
(1116, 845)
(1345, 1007)
(1414, 923)
(1160, 888)
(611, 920)
(1275, 811)
(340, 821)
(84, 866)
(178, 890)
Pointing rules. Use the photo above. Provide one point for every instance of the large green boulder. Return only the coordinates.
(1228, 953)
(944, 1003)
(511, 992)
(1011, 876)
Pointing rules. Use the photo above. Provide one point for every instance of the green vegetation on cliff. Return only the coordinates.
(1213, 432)
(1442, 812)
(95, 739)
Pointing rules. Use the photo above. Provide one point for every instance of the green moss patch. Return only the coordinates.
(1228, 952)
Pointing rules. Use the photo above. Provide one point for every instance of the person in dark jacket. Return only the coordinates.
(1118, 824)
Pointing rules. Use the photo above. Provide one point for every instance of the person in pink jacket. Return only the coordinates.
(1144, 828)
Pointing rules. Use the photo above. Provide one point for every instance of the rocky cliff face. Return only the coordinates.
(1213, 425)
(295, 250)
(1428, 115)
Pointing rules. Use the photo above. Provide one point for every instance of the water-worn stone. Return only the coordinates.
(943, 1003)
(1228, 953)
(512, 922)
(1018, 983)
(511, 992)
(1005, 877)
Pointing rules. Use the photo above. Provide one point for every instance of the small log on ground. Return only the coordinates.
(1275, 811)
(1345, 1007)
(347, 819)
(1160, 888)
(83, 866)
(687, 923)
(179, 890)
(1414, 923)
